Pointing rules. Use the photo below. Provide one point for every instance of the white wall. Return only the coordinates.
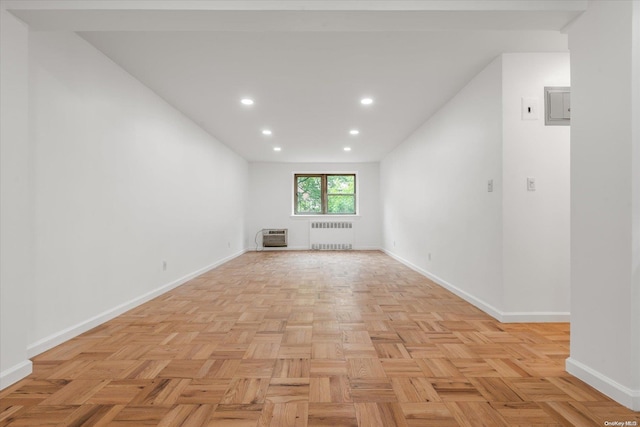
(16, 214)
(123, 182)
(271, 202)
(535, 223)
(635, 244)
(435, 199)
(605, 166)
(506, 251)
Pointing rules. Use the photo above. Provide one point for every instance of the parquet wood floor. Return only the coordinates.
(309, 339)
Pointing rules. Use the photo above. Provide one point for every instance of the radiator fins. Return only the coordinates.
(337, 224)
(331, 235)
(331, 246)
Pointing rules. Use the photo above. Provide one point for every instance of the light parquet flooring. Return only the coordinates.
(309, 339)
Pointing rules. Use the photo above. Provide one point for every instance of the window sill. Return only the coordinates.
(323, 216)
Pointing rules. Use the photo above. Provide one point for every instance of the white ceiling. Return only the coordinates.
(307, 85)
(308, 70)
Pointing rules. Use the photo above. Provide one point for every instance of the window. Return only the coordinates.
(324, 194)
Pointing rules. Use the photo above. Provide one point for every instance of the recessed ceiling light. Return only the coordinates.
(366, 101)
(354, 131)
(277, 149)
(266, 132)
(347, 148)
(246, 101)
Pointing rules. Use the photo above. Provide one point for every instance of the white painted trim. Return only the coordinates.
(305, 248)
(278, 248)
(621, 394)
(486, 307)
(305, 5)
(15, 373)
(535, 316)
(59, 337)
(502, 316)
(327, 217)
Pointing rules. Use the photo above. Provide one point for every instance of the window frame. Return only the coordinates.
(324, 193)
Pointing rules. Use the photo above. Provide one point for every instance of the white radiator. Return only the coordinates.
(331, 235)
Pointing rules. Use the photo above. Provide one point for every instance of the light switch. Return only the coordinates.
(529, 109)
(531, 184)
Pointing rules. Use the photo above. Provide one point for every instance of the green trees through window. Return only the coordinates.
(341, 194)
(317, 194)
(309, 194)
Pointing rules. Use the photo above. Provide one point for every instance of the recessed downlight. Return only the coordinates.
(347, 148)
(366, 101)
(354, 132)
(277, 149)
(266, 132)
(246, 101)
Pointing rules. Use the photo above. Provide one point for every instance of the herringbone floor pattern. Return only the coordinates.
(309, 339)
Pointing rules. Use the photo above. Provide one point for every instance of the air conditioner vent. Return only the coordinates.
(273, 238)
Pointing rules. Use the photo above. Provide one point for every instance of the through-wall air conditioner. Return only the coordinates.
(273, 238)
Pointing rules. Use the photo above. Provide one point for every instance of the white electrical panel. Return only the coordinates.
(557, 106)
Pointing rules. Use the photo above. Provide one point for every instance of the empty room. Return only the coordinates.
(320, 213)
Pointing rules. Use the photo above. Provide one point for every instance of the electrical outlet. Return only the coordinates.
(229, 244)
(394, 243)
(531, 184)
(490, 186)
(164, 265)
(429, 256)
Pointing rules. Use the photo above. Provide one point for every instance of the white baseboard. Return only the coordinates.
(482, 305)
(502, 316)
(15, 373)
(306, 248)
(59, 337)
(283, 248)
(621, 394)
(535, 316)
